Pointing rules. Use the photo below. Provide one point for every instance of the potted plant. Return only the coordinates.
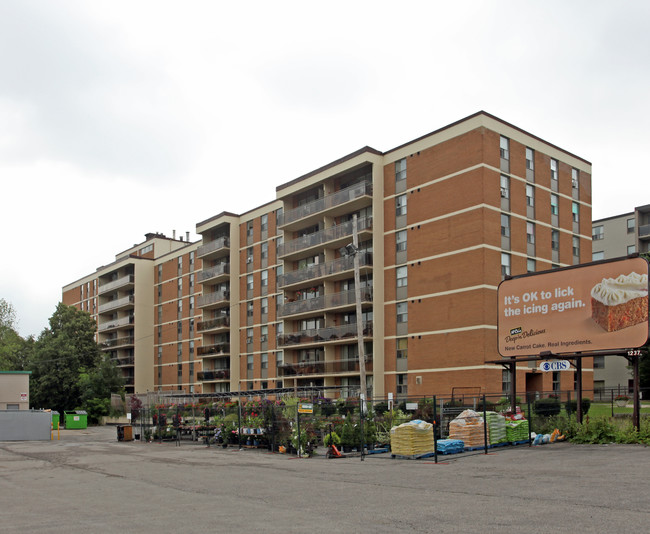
(331, 438)
(621, 400)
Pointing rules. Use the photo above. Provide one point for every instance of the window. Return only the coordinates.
(264, 333)
(555, 204)
(575, 210)
(530, 232)
(402, 312)
(576, 246)
(597, 256)
(553, 169)
(249, 335)
(530, 195)
(505, 264)
(400, 240)
(504, 145)
(265, 305)
(160, 272)
(191, 303)
(631, 249)
(631, 224)
(402, 347)
(264, 221)
(249, 362)
(530, 158)
(599, 362)
(400, 205)
(180, 265)
(555, 239)
(146, 249)
(265, 360)
(249, 229)
(402, 384)
(192, 258)
(191, 282)
(401, 273)
(505, 187)
(400, 169)
(556, 380)
(505, 225)
(597, 233)
(505, 381)
(574, 178)
(530, 265)
(249, 282)
(249, 308)
(265, 278)
(264, 251)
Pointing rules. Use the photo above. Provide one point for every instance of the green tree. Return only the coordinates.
(14, 350)
(67, 364)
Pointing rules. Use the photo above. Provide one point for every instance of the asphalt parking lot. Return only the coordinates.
(90, 482)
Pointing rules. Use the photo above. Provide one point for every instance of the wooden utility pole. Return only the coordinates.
(363, 392)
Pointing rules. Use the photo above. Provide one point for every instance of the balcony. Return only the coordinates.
(121, 362)
(350, 365)
(346, 200)
(218, 349)
(334, 270)
(214, 249)
(212, 300)
(118, 342)
(334, 300)
(213, 324)
(214, 274)
(117, 303)
(116, 323)
(334, 235)
(319, 336)
(124, 281)
(644, 231)
(217, 374)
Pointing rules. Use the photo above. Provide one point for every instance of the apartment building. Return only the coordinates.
(616, 237)
(434, 224)
(143, 303)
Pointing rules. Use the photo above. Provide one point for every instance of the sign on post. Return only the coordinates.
(306, 407)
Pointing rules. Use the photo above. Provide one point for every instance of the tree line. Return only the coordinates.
(69, 371)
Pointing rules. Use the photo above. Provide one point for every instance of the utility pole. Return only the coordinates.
(363, 393)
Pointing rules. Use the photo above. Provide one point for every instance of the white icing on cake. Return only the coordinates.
(615, 291)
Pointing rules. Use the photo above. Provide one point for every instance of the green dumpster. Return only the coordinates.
(76, 419)
(55, 419)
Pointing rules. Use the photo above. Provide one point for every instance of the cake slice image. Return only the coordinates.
(618, 303)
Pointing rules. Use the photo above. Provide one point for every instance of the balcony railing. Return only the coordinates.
(320, 270)
(124, 361)
(212, 298)
(644, 231)
(214, 272)
(118, 303)
(118, 342)
(217, 374)
(323, 236)
(219, 322)
(110, 286)
(350, 365)
(328, 202)
(218, 349)
(333, 300)
(213, 246)
(332, 333)
(116, 323)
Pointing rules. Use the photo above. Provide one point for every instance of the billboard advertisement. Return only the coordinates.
(599, 306)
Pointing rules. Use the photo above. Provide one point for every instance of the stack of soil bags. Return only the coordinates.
(450, 446)
(496, 428)
(468, 427)
(517, 430)
(413, 439)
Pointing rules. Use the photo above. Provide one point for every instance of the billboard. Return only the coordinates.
(598, 306)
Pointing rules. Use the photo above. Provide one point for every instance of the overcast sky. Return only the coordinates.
(121, 118)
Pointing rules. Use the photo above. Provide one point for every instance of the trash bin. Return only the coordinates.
(124, 433)
(55, 419)
(76, 419)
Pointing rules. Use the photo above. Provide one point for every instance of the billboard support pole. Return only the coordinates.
(636, 411)
(579, 389)
(513, 386)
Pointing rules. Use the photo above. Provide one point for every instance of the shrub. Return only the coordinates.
(571, 406)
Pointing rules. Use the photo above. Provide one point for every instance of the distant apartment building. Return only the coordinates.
(616, 237)
(267, 299)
